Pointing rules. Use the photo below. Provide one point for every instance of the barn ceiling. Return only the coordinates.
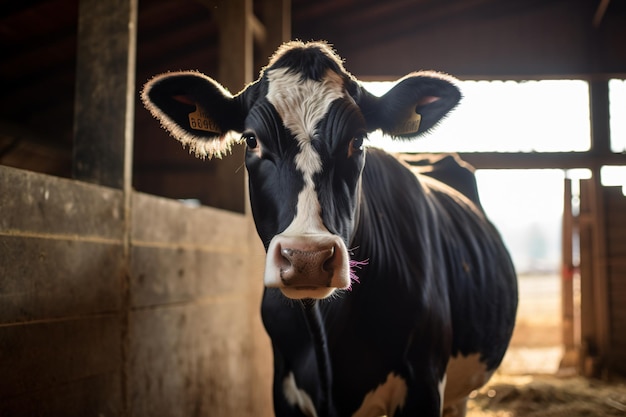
(471, 38)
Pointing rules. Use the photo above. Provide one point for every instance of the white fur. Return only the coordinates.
(302, 104)
(297, 397)
(201, 147)
(442, 387)
(385, 399)
(464, 374)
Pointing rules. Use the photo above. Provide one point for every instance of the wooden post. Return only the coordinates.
(275, 16)
(567, 280)
(600, 146)
(595, 314)
(600, 279)
(234, 72)
(105, 92)
(588, 330)
(599, 115)
(104, 119)
(236, 53)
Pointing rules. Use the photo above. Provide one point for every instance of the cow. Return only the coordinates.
(448, 169)
(386, 292)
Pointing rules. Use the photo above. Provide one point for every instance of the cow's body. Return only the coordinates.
(406, 290)
(376, 332)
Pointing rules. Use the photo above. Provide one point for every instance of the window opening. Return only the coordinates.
(527, 208)
(506, 116)
(617, 107)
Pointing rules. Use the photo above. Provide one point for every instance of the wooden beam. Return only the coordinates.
(235, 59)
(236, 43)
(259, 31)
(600, 278)
(276, 18)
(594, 308)
(105, 92)
(536, 160)
(588, 330)
(600, 12)
(567, 280)
(599, 116)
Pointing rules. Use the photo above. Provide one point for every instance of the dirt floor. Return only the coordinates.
(548, 396)
(527, 385)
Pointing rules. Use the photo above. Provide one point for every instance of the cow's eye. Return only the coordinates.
(251, 141)
(356, 145)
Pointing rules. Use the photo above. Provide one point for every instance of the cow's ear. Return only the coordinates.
(413, 106)
(195, 110)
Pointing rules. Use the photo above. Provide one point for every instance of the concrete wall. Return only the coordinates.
(107, 313)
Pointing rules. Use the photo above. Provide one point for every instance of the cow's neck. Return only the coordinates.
(320, 343)
(385, 233)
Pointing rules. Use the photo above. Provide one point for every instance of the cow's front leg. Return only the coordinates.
(426, 362)
(424, 395)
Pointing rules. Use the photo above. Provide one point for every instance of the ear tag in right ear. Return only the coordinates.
(410, 125)
(200, 120)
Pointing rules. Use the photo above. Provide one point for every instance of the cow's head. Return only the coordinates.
(303, 123)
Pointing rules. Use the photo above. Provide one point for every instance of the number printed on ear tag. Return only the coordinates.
(410, 125)
(200, 120)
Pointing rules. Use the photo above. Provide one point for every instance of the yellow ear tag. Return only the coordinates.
(200, 120)
(410, 125)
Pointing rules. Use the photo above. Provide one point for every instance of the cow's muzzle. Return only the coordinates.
(307, 266)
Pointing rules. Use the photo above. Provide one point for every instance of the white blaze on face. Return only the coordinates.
(302, 104)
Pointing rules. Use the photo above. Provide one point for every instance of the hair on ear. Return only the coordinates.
(413, 106)
(195, 110)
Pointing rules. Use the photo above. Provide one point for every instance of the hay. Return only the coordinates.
(547, 396)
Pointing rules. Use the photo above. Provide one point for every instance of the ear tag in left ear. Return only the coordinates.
(200, 120)
(410, 125)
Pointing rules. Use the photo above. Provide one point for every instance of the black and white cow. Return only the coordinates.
(407, 294)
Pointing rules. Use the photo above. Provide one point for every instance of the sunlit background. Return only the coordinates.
(525, 205)
(527, 116)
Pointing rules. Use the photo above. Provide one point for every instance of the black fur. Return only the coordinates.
(437, 280)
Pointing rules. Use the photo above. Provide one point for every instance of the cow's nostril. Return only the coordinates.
(328, 265)
(286, 255)
(306, 267)
(306, 262)
(285, 264)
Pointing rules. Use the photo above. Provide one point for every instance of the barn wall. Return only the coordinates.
(603, 279)
(168, 327)
(61, 275)
(615, 205)
(549, 39)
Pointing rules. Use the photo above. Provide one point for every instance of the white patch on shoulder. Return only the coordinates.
(297, 397)
(442, 388)
(464, 374)
(385, 399)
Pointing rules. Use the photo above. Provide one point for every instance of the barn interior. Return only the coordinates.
(129, 269)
